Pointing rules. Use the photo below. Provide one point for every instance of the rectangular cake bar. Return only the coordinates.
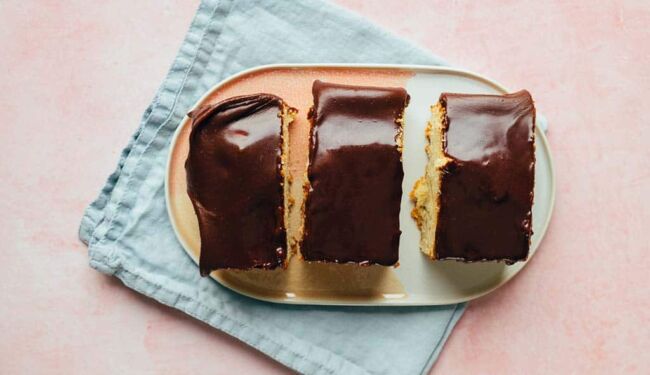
(238, 182)
(355, 174)
(475, 201)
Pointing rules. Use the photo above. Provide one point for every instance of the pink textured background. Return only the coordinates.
(75, 78)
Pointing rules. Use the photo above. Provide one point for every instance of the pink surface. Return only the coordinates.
(75, 78)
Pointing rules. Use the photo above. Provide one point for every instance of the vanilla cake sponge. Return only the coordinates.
(426, 191)
(238, 181)
(474, 202)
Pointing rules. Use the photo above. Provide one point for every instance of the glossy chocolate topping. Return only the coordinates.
(355, 171)
(487, 189)
(235, 183)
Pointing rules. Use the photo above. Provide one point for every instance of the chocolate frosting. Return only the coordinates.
(487, 188)
(235, 183)
(355, 171)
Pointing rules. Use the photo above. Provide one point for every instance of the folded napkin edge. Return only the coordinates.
(107, 261)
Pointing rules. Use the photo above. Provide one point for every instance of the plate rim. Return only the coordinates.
(376, 302)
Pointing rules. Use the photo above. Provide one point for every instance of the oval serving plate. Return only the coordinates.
(417, 280)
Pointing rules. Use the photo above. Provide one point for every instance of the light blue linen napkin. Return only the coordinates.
(129, 235)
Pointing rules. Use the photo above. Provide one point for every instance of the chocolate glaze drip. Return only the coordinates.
(235, 183)
(487, 188)
(355, 171)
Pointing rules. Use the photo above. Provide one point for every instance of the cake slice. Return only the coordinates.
(474, 202)
(355, 175)
(238, 181)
